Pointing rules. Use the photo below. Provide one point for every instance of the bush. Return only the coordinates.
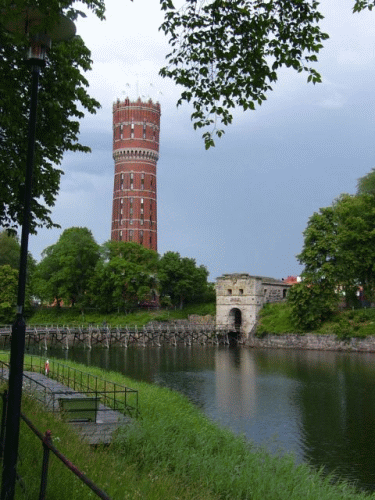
(276, 318)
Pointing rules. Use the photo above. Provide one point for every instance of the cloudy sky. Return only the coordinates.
(243, 205)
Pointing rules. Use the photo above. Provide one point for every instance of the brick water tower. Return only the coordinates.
(136, 128)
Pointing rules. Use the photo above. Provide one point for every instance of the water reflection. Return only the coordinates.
(318, 405)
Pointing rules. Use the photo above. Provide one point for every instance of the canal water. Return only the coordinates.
(318, 405)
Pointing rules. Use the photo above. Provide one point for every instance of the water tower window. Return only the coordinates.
(120, 235)
(141, 237)
(229, 291)
(131, 235)
(132, 131)
(241, 291)
(131, 180)
(121, 132)
(144, 130)
(142, 181)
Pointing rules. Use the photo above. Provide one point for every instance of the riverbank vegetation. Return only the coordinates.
(338, 255)
(114, 278)
(104, 466)
(73, 316)
(278, 319)
(171, 452)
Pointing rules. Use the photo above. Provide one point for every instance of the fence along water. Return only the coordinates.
(110, 394)
(47, 446)
(105, 336)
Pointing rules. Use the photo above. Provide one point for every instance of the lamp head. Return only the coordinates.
(34, 24)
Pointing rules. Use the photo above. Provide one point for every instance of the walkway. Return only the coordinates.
(99, 432)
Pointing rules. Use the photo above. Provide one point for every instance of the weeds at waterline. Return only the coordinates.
(173, 451)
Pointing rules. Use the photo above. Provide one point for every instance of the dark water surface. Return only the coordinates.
(318, 405)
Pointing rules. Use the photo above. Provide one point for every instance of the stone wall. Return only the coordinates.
(312, 341)
(274, 292)
(242, 293)
(239, 298)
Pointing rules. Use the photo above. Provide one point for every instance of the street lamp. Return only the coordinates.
(28, 22)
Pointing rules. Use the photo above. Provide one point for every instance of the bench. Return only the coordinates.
(80, 408)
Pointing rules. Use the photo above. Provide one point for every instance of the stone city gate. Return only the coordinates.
(239, 298)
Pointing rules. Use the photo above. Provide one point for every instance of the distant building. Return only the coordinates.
(292, 280)
(136, 127)
(240, 297)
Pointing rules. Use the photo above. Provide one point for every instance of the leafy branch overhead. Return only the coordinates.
(63, 99)
(228, 53)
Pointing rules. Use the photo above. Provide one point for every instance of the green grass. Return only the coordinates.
(120, 479)
(276, 319)
(72, 316)
(173, 451)
(351, 323)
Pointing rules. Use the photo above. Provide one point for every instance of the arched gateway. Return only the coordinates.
(239, 298)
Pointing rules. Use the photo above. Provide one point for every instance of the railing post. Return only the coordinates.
(3, 420)
(43, 480)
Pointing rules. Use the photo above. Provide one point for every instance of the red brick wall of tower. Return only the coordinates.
(136, 127)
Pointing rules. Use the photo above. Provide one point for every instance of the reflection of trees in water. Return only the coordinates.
(337, 404)
(142, 363)
(330, 393)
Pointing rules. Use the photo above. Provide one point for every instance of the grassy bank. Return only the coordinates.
(277, 319)
(174, 452)
(104, 466)
(73, 316)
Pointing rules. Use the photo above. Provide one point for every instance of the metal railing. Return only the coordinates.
(116, 396)
(47, 446)
(111, 395)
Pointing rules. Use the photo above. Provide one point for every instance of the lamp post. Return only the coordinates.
(27, 22)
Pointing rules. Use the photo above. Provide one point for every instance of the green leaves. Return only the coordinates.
(181, 279)
(8, 293)
(339, 259)
(123, 277)
(366, 184)
(63, 99)
(227, 54)
(67, 267)
(363, 4)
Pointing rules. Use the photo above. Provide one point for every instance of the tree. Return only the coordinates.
(356, 241)
(366, 184)
(9, 250)
(67, 267)
(312, 302)
(339, 258)
(181, 279)
(227, 54)
(224, 54)
(8, 293)
(62, 100)
(123, 277)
